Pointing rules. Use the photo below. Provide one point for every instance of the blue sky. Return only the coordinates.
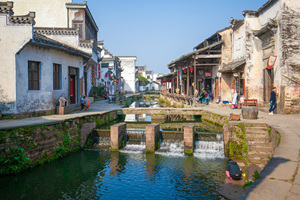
(160, 31)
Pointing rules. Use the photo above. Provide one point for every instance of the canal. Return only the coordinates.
(101, 174)
(98, 173)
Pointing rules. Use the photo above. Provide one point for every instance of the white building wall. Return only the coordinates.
(12, 39)
(49, 13)
(129, 73)
(45, 98)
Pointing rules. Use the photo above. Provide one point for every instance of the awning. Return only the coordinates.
(233, 65)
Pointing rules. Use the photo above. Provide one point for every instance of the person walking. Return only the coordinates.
(273, 104)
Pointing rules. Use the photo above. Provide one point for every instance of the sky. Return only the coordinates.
(160, 31)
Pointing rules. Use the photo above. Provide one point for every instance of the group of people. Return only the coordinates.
(206, 95)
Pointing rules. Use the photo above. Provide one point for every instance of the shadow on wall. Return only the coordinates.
(272, 165)
(128, 88)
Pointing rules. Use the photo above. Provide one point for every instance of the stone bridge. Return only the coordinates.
(166, 111)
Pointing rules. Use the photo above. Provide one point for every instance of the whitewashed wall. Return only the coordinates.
(12, 38)
(46, 97)
(129, 73)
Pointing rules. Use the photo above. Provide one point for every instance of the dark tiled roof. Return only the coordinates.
(197, 51)
(39, 39)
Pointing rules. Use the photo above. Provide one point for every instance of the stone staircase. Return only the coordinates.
(259, 144)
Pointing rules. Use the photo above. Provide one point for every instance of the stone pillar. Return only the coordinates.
(117, 136)
(152, 132)
(188, 136)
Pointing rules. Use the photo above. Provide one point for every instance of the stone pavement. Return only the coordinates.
(280, 179)
(97, 107)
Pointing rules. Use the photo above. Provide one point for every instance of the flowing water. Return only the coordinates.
(106, 175)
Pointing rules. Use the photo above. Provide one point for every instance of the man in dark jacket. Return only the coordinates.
(233, 170)
(273, 104)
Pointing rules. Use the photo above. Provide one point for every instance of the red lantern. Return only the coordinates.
(191, 69)
(105, 75)
(117, 81)
(175, 80)
(178, 72)
(110, 76)
(184, 70)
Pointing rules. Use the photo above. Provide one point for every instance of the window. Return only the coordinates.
(56, 77)
(33, 75)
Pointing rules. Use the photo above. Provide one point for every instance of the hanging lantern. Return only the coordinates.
(184, 70)
(175, 79)
(110, 76)
(191, 69)
(105, 75)
(117, 81)
(178, 72)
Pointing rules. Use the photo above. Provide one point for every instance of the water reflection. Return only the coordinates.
(115, 175)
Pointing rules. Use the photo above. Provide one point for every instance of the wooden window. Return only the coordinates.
(56, 77)
(33, 75)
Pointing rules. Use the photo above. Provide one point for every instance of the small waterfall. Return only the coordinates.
(173, 148)
(210, 148)
(135, 141)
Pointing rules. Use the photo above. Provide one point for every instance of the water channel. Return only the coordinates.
(129, 173)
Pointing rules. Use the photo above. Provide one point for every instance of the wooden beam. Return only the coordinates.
(215, 51)
(209, 56)
(207, 64)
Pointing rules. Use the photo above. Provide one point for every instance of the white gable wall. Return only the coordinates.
(49, 13)
(12, 39)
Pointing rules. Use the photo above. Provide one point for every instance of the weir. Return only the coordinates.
(152, 139)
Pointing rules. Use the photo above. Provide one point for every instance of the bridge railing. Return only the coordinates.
(183, 99)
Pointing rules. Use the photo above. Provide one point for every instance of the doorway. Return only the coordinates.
(73, 85)
(268, 83)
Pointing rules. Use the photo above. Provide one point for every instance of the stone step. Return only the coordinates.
(254, 125)
(258, 139)
(256, 129)
(259, 154)
(262, 148)
(258, 160)
(253, 134)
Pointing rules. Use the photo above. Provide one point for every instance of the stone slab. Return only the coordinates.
(232, 189)
(267, 189)
(293, 197)
(279, 168)
(287, 153)
(296, 189)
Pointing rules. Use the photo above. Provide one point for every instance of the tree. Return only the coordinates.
(143, 80)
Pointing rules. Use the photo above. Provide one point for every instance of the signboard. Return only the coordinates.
(271, 62)
(207, 74)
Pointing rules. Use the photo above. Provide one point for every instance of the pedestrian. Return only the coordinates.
(233, 171)
(85, 103)
(207, 89)
(202, 97)
(273, 104)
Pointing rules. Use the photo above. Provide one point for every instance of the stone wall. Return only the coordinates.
(25, 147)
(290, 53)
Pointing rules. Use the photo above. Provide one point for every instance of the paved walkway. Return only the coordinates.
(96, 108)
(280, 179)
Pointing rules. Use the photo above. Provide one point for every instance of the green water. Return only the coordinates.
(106, 175)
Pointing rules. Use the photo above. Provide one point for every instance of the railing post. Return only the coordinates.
(189, 138)
(117, 136)
(152, 132)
